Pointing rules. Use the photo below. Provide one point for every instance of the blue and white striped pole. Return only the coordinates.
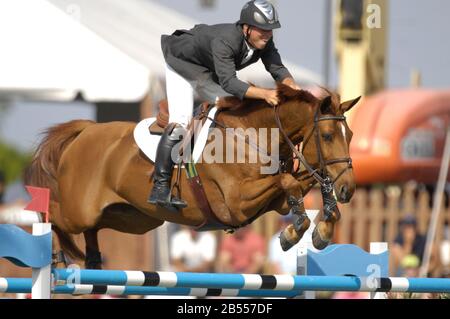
(234, 285)
(250, 282)
(24, 285)
(148, 291)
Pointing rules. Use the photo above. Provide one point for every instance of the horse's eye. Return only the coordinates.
(327, 137)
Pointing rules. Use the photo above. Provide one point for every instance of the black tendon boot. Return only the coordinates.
(162, 177)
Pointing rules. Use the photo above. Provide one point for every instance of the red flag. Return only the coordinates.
(40, 198)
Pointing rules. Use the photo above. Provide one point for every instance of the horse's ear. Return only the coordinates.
(325, 105)
(347, 105)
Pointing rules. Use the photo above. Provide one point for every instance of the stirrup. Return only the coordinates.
(171, 201)
(174, 202)
(163, 197)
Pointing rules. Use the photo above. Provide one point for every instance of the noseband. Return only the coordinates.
(320, 174)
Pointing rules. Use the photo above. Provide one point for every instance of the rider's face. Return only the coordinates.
(258, 38)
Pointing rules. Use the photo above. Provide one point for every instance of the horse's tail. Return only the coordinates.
(42, 172)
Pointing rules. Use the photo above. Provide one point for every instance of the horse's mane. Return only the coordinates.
(285, 93)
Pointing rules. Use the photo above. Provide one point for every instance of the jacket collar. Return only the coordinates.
(245, 46)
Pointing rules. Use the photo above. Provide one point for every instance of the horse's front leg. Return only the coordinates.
(323, 233)
(255, 193)
(292, 234)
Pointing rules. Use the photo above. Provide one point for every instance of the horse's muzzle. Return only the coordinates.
(344, 194)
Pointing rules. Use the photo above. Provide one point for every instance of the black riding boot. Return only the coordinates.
(162, 177)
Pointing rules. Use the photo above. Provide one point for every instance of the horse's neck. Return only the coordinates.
(293, 115)
(250, 116)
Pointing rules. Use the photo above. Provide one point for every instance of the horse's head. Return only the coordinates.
(319, 123)
(326, 144)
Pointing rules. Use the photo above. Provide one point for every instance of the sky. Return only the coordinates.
(23, 122)
(418, 32)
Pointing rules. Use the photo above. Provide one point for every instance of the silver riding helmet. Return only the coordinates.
(260, 14)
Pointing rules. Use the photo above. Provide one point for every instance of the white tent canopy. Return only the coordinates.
(105, 50)
(47, 54)
(135, 26)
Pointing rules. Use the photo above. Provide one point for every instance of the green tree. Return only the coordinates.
(12, 162)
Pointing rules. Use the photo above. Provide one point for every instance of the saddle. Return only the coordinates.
(162, 118)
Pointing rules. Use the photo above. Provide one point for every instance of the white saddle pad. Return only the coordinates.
(148, 142)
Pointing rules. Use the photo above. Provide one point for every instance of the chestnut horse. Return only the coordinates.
(98, 177)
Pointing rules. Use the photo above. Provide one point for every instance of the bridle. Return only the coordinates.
(320, 174)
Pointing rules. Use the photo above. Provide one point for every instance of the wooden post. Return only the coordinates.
(423, 211)
(375, 215)
(360, 228)
(392, 212)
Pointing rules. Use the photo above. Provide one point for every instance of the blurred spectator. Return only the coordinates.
(351, 295)
(409, 242)
(445, 254)
(193, 251)
(411, 266)
(445, 273)
(242, 252)
(282, 262)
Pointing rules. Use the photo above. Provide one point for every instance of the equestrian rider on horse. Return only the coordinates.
(204, 61)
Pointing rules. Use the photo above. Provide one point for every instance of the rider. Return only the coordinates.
(204, 60)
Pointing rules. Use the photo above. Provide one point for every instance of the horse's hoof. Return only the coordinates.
(285, 243)
(317, 240)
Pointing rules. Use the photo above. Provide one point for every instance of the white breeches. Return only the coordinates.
(180, 95)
